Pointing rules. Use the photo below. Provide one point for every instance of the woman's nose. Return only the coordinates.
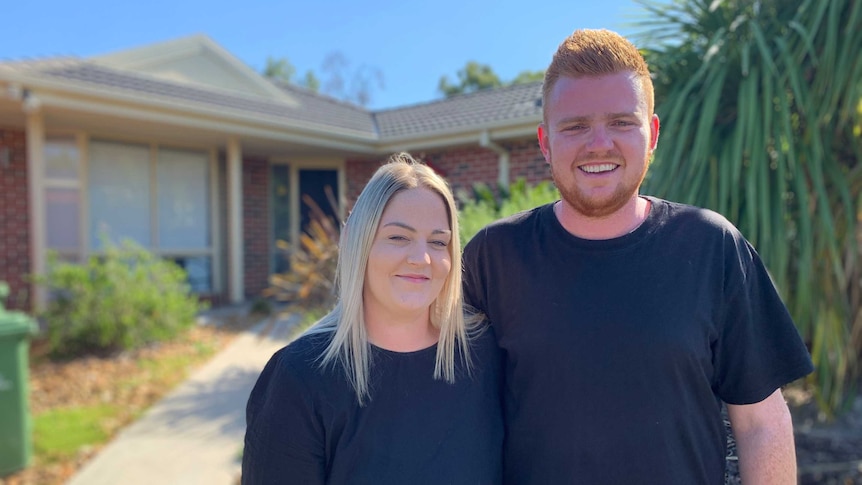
(419, 254)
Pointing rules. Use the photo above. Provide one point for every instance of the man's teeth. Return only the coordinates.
(604, 167)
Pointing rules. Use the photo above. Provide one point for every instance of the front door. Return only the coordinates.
(288, 207)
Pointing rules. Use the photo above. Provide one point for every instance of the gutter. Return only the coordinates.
(502, 161)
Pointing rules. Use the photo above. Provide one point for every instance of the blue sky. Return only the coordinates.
(412, 44)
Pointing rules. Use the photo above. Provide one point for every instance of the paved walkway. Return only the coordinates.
(194, 435)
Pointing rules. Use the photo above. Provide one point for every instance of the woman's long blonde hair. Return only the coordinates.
(349, 345)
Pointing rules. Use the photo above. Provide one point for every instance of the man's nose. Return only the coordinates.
(600, 139)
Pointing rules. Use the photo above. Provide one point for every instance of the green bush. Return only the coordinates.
(485, 206)
(122, 299)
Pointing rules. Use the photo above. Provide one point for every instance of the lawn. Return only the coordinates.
(79, 405)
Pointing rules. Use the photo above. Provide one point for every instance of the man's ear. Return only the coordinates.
(544, 143)
(654, 125)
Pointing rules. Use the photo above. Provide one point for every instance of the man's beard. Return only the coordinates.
(591, 207)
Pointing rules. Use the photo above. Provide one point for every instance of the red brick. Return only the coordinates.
(15, 220)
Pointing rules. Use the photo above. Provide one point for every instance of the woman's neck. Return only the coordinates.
(401, 333)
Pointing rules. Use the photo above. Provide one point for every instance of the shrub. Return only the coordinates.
(310, 280)
(485, 206)
(122, 299)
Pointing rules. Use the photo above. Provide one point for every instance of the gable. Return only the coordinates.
(195, 60)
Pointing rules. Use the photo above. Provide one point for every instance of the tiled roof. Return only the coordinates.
(463, 111)
(309, 109)
(466, 111)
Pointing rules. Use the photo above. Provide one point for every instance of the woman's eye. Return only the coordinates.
(441, 244)
(397, 238)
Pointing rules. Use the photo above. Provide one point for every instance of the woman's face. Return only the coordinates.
(410, 258)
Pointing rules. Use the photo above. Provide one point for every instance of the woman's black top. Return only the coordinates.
(305, 426)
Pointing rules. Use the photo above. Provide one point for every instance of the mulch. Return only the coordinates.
(828, 452)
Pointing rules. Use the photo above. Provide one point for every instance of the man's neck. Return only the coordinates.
(623, 221)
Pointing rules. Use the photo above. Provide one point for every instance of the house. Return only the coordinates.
(191, 153)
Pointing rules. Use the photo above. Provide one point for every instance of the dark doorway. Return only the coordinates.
(322, 187)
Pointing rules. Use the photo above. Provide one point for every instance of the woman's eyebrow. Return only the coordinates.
(413, 229)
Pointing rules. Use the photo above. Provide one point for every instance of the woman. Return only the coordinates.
(394, 386)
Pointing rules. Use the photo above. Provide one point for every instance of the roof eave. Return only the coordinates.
(67, 89)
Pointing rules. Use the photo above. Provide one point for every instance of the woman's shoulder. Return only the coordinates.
(301, 358)
(295, 370)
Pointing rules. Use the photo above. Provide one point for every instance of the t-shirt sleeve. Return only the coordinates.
(758, 348)
(474, 290)
(284, 442)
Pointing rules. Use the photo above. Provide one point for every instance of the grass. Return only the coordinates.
(171, 369)
(59, 434)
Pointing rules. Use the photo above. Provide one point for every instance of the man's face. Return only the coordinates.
(597, 138)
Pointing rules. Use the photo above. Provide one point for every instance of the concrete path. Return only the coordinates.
(194, 435)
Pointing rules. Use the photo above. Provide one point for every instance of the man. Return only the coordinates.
(626, 320)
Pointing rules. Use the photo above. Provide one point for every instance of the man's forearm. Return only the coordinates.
(766, 457)
(764, 439)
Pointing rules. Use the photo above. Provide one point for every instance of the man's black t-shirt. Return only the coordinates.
(618, 352)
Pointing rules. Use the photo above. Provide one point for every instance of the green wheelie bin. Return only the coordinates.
(16, 444)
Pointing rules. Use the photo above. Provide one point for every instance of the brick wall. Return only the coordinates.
(358, 172)
(15, 220)
(463, 166)
(255, 221)
(526, 161)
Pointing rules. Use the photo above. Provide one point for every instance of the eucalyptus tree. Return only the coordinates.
(476, 77)
(761, 110)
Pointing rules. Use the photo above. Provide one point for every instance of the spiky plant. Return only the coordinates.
(761, 105)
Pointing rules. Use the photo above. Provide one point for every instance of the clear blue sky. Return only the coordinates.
(413, 44)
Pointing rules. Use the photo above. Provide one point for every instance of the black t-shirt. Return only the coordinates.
(304, 425)
(619, 352)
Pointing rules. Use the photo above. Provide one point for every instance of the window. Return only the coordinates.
(158, 197)
(119, 189)
(183, 188)
(62, 197)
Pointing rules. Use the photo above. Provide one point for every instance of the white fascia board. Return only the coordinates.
(160, 53)
(131, 59)
(242, 67)
(220, 126)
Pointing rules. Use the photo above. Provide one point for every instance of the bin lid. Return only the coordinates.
(16, 323)
(13, 323)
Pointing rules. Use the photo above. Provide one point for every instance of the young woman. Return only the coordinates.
(395, 385)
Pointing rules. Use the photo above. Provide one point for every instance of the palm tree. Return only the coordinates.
(761, 107)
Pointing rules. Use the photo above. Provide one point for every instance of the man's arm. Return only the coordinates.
(764, 439)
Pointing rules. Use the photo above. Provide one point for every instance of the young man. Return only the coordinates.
(626, 320)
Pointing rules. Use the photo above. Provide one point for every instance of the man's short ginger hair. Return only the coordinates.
(601, 52)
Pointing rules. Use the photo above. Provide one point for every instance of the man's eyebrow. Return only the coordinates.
(413, 229)
(622, 114)
(581, 119)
